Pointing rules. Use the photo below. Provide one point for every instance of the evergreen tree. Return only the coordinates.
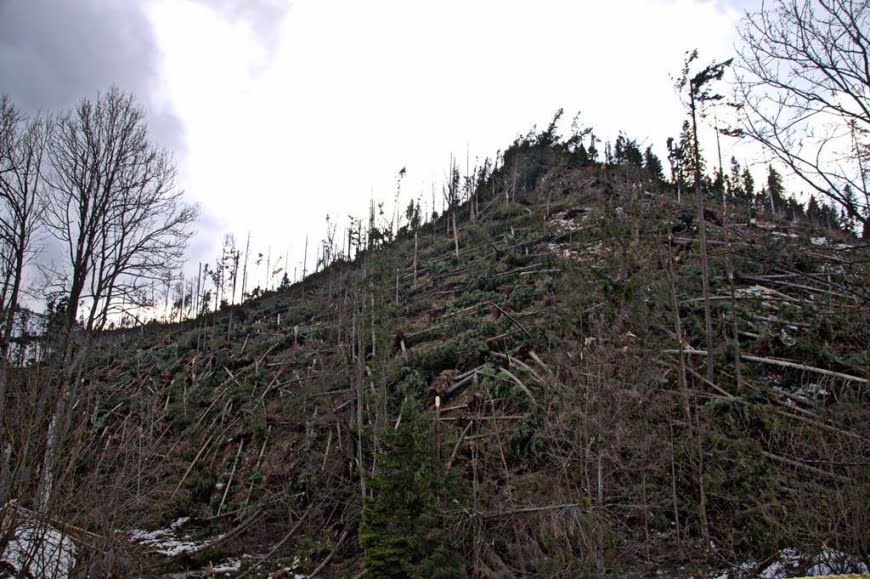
(775, 190)
(735, 181)
(677, 159)
(627, 152)
(593, 150)
(400, 531)
(682, 156)
(653, 165)
(748, 185)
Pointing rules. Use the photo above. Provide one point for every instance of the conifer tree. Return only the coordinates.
(653, 164)
(399, 530)
(748, 185)
(698, 95)
(775, 190)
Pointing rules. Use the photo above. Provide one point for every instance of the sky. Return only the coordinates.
(279, 113)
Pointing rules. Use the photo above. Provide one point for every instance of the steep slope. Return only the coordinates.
(574, 432)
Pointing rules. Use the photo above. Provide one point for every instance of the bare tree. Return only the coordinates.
(804, 83)
(22, 144)
(114, 206)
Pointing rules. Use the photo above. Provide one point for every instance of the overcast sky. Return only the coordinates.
(281, 112)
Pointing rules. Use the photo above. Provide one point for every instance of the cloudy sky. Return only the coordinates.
(280, 112)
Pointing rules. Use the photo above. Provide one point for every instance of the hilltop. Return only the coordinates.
(523, 396)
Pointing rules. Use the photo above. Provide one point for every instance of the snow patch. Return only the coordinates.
(751, 291)
(227, 567)
(819, 240)
(563, 251)
(38, 550)
(791, 562)
(178, 523)
(166, 542)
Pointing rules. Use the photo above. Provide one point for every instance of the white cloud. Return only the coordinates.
(349, 92)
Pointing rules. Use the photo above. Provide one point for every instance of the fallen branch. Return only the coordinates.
(513, 319)
(192, 464)
(277, 546)
(232, 474)
(496, 514)
(796, 366)
(806, 467)
(522, 386)
(778, 362)
(456, 447)
(472, 418)
(540, 362)
(329, 557)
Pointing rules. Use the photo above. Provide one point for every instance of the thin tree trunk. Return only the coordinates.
(702, 236)
(359, 412)
(455, 236)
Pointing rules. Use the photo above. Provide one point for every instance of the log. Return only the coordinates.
(495, 514)
(797, 366)
(778, 362)
(805, 467)
(522, 386)
(190, 468)
(512, 319)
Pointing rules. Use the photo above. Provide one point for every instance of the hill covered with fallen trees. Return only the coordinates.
(520, 387)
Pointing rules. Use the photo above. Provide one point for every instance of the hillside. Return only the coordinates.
(575, 431)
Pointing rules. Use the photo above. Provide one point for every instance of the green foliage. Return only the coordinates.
(463, 351)
(522, 297)
(401, 529)
(522, 441)
(410, 383)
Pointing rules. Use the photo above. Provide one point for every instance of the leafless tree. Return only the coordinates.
(804, 83)
(113, 204)
(22, 143)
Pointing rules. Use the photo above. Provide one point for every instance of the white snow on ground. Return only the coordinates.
(37, 550)
(791, 562)
(811, 391)
(287, 572)
(179, 522)
(166, 542)
(751, 291)
(227, 567)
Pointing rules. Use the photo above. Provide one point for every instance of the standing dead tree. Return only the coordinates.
(452, 197)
